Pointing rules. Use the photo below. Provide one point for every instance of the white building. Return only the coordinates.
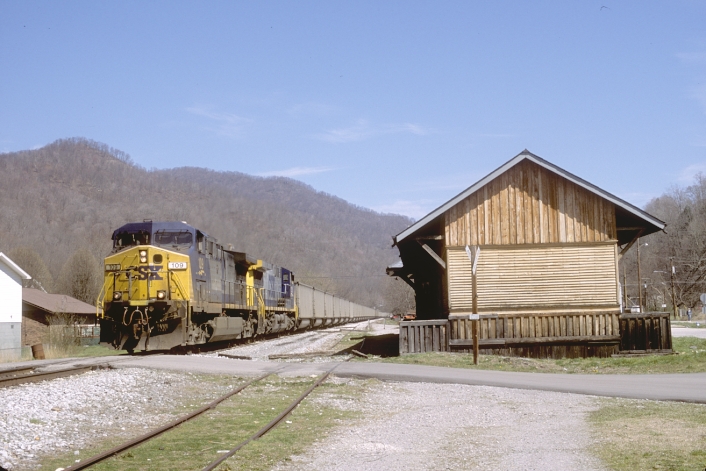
(11, 277)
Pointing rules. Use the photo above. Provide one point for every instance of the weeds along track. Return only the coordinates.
(86, 463)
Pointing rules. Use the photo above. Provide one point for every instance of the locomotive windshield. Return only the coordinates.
(127, 239)
(179, 240)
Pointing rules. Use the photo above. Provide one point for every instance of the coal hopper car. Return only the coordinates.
(169, 285)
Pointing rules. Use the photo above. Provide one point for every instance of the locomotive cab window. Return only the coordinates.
(128, 239)
(201, 243)
(179, 240)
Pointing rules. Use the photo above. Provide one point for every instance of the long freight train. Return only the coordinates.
(170, 285)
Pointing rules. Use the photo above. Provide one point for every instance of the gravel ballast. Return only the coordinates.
(67, 414)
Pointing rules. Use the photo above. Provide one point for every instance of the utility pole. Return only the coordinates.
(674, 297)
(625, 287)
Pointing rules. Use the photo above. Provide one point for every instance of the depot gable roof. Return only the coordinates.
(652, 223)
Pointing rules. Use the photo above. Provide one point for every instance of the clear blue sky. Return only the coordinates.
(394, 106)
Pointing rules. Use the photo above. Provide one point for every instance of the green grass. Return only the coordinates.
(195, 444)
(97, 351)
(641, 435)
(689, 357)
(695, 324)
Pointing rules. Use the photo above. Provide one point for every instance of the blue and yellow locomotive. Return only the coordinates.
(168, 284)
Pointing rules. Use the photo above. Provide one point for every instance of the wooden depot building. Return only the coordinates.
(545, 245)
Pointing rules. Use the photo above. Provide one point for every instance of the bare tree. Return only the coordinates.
(80, 277)
(683, 245)
(399, 297)
(31, 262)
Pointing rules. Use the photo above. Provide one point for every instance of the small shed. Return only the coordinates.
(11, 276)
(43, 312)
(547, 245)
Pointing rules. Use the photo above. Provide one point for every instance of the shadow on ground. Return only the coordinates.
(387, 345)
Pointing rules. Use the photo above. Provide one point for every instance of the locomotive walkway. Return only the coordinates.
(661, 387)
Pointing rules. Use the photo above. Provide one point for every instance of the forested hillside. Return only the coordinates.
(60, 204)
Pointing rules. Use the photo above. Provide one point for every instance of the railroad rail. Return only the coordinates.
(7, 380)
(83, 464)
(272, 424)
(16, 371)
(158, 431)
(28, 374)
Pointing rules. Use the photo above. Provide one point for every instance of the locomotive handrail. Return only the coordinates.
(261, 308)
(172, 276)
(99, 301)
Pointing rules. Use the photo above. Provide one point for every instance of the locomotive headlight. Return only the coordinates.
(161, 294)
(143, 256)
(117, 295)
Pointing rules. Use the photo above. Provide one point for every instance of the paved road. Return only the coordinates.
(688, 332)
(674, 387)
(670, 387)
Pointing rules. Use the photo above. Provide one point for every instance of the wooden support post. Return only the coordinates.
(473, 255)
(674, 298)
(639, 281)
(475, 338)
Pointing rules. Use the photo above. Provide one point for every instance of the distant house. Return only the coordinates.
(11, 276)
(548, 245)
(43, 311)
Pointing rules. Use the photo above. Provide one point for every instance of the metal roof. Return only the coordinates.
(56, 303)
(149, 226)
(14, 267)
(527, 155)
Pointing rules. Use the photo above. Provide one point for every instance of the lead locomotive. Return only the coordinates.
(168, 284)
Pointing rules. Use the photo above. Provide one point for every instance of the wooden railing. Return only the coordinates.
(519, 329)
(424, 336)
(650, 332)
(542, 335)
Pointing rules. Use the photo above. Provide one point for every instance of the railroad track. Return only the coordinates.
(165, 428)
(29, 375)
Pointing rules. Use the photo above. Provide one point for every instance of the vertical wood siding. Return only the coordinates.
(530, 205)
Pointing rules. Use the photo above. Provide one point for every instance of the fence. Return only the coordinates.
(77, 334)
(650, 332)
(424, 336)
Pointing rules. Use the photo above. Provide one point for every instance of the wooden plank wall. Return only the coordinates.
(548, 335)
(530, 205)
(545, 335)
(424, 336)
(579, 277)
(645, 333)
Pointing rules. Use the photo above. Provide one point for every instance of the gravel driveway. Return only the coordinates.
(425, 426)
